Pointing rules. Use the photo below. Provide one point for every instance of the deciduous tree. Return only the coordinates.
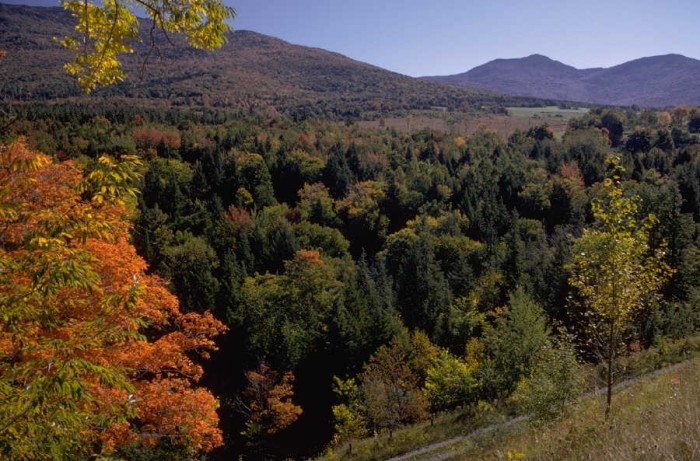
(107, 29)
(613, 121)
(391, 388)
(556, 382)
(515, 341)
(94, 352)
(348, 415)
(268, 402)
(615, 271)
(286, 317)
(450, 381)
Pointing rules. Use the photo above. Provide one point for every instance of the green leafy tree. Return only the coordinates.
(555, 382)
(615, 271)
(106, 29)
(317, 206)
(588, 147)
(286, 317)
(254, 176)
(450, 381)
(361, 209)
(515, 341)
(328, 240)
(639, 141)
(462, 322)
(348, 415)
(422, 291)
(189, 267)
(613, 121)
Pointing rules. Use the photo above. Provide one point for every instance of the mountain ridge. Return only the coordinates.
(251, 73)
(651, 81)
(264, 74)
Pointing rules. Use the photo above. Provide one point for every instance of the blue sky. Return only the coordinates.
(440, 37)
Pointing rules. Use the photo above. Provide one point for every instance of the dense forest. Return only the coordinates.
(364, 279)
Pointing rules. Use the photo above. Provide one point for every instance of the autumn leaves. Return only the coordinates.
(95, 354)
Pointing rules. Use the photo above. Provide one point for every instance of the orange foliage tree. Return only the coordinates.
(95, 354)
(268, 403)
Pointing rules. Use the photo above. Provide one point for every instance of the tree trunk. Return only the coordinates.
(611, 359)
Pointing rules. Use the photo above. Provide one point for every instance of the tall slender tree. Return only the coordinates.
(615, 271)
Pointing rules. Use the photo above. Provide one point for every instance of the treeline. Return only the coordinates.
(370, 277)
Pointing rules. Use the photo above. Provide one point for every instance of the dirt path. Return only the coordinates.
(423, 453)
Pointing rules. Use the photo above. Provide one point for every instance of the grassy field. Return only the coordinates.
(557, 118)
(656, 417)
(518, 118)
(549, 112)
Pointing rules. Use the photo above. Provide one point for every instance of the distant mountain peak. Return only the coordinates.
(538, 57)
(654, 81)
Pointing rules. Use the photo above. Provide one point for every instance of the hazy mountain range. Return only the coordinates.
(255, 72)
(655, 81)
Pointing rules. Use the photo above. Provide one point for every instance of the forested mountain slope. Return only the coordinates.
(252, 72)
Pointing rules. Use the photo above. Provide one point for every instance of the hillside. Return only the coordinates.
(655, 415)
(656, 81)
(656, 418)
(252, 72)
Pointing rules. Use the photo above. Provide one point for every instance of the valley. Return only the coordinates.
(271, 251)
